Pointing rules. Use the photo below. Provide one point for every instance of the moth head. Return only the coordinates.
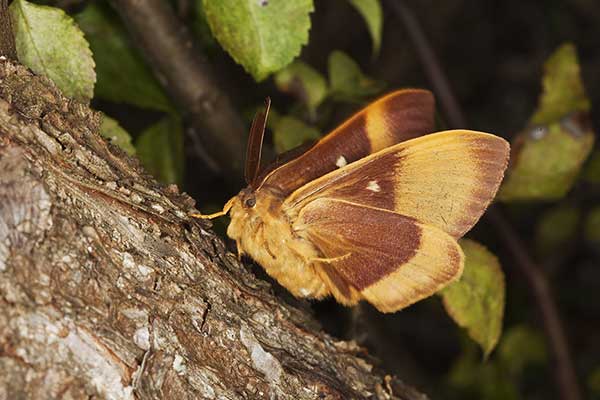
(242, 206)
(247, 198)
(246, 205)
(250, 204)
(249, 210)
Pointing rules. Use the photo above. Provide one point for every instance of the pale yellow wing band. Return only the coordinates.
(438, 262)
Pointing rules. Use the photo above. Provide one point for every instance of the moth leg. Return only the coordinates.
(240, 253)
(337, 286)
(264, 241)
(331, 259)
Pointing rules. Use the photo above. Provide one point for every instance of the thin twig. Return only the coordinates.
(434, 72)
(565, 372)
(189, 79)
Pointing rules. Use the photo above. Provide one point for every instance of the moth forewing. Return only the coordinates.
(446, 179)
(398, 116)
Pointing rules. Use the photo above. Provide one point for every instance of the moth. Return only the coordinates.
(373, 210)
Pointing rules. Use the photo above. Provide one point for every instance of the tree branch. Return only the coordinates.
(566, 378)
(189, 79)
(109, 290)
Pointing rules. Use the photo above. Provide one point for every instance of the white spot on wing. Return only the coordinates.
(341, 162)
(373, 186)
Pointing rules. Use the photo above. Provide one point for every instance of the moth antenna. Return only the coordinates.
(221, 213)
(255, 143)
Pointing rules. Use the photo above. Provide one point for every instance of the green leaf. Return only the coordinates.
(592, 225)
(556, 227)
(304, 82)
(160, 149)
(476, 300)
(290, 132)
(122, 74)
(346, 80)
(373, 16)
(261, 35)
(521, 346)
(50, 43)
(546, 161)
(111, 130)
(563, 89)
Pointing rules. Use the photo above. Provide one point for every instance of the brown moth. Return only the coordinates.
(373, 210)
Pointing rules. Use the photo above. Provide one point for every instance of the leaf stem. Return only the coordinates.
(566, 379)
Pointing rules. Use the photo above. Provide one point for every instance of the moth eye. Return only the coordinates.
(250, 202)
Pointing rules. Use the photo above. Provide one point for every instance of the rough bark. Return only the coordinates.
(109, 290)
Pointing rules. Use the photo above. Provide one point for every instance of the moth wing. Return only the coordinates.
(389, 259)
(445, 180)
(399, 116)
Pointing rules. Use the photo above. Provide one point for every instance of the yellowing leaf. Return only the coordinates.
(111, 130)
(373, 15)
(50, 43)
(563, 89)
(347, 81)
(160, 149)
(290, 132)
(476, 301)
(122, 74)
(546, 161)
(261, 35)
(548, 156)
(304, 82)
